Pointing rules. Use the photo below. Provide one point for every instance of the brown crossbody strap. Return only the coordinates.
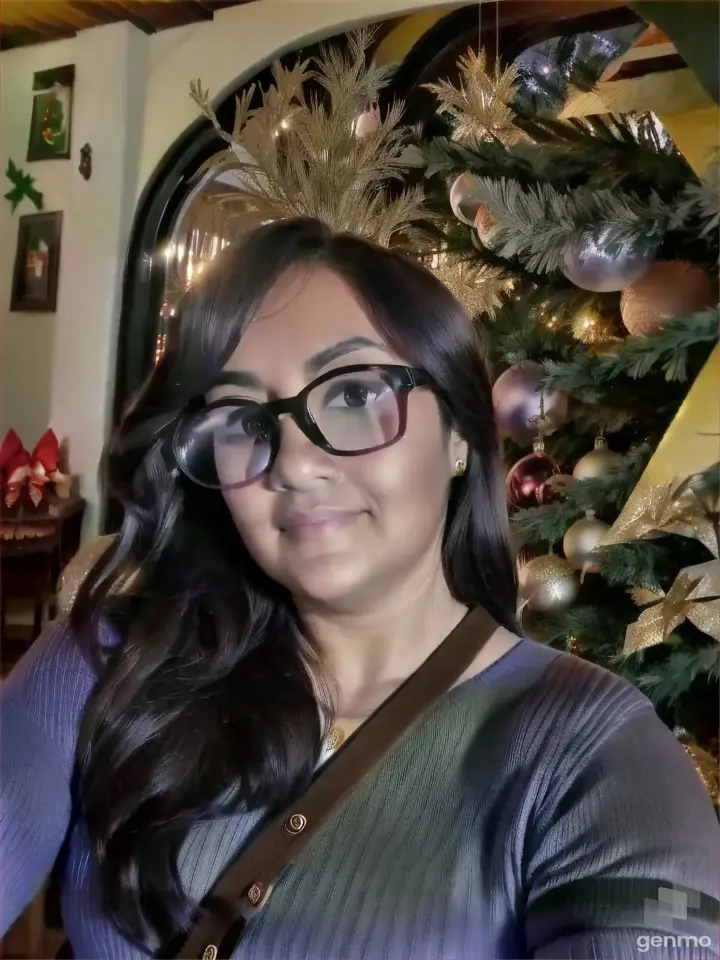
(247, 882)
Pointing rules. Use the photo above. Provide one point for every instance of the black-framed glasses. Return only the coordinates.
(347, 412)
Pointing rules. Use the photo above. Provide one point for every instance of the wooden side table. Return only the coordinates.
(34, 548)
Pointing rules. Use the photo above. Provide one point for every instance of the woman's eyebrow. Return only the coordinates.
(239, 378)
(341, 349)
(243, 378)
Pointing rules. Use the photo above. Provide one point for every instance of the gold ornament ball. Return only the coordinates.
(548, 584)
(598, 463)
(581, 539)
(670, 289)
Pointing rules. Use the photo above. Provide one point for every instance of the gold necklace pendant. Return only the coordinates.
(335, 737)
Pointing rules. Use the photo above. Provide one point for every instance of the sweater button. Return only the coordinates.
(256, 894)
(296, 823)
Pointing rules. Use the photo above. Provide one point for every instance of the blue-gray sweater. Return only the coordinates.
(540, 810)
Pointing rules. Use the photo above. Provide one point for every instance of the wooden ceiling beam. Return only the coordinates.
(167, 15)
(15, 37)
(82, 14)
(136, 14)
(99, 11)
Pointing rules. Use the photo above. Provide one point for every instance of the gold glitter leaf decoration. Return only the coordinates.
(481, 103)
(707, 769)
(667, 508)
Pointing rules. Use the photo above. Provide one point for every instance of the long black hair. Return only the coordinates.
(206, 702)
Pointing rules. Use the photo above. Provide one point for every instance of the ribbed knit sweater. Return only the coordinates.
(539, 810)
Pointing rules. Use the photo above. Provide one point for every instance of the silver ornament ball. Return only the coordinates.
(465, 199)
(518, 399)
(592, 264)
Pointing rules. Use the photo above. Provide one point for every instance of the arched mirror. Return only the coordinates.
(204, 225)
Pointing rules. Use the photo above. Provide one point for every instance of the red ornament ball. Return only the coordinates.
(526, 483)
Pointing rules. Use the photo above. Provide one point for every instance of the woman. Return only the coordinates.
(295, 564)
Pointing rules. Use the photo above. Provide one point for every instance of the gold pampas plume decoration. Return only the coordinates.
(300, 155)
(481, 103)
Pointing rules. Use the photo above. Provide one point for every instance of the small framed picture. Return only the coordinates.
(37, 263)
(50, 124)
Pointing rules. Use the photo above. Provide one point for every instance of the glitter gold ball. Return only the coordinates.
(548, 584)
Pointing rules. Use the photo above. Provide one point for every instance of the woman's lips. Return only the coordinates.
(313, 526)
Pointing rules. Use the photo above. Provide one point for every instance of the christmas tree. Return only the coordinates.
(587, 251)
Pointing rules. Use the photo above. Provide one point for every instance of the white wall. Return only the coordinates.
(131, 103)
(111, 74)
(26, 339)
(57, 369)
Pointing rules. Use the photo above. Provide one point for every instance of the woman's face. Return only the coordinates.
(337, 530)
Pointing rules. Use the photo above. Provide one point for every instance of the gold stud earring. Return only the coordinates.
(459, 468)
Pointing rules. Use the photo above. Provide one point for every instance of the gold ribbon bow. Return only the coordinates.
(694, 596)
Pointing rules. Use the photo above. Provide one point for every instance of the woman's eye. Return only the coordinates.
(241, 425)
(353, 394)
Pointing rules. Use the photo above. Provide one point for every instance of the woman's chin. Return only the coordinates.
(327, 582)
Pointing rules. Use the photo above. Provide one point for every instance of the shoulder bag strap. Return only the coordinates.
(248, 881)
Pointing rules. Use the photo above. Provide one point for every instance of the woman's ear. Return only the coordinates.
(458, 454)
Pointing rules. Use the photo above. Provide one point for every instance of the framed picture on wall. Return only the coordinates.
(37, 263)
(50, 124)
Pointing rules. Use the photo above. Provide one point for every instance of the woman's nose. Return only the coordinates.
(299, 464)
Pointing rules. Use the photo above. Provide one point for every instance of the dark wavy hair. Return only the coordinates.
(205, 703)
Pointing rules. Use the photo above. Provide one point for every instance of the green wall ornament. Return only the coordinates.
(23, 186)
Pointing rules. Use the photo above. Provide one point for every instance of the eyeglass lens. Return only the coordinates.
(228, 445)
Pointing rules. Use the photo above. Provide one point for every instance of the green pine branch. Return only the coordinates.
(538, 224)
(700, 202)
(669, 352)
(516, 337)
(666, 681)
(646, 563)
(600, 628)
(447, 157)
(616, 153)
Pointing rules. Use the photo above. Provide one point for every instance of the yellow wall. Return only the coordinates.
(398, 43)
(692, 441)
(696, 133)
